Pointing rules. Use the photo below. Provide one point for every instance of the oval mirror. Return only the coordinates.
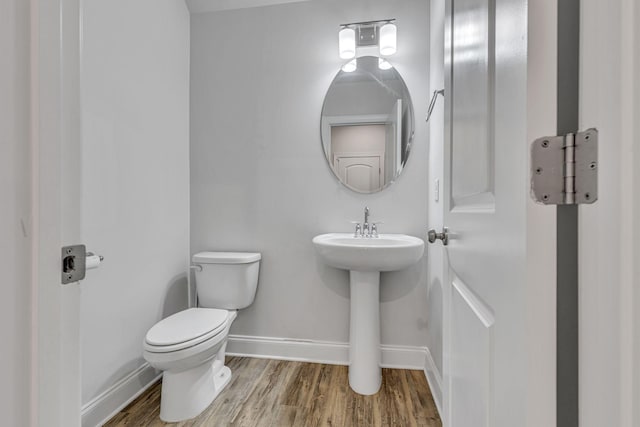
(367, 125)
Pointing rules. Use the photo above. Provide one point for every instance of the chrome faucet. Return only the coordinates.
(365, 225)
(366, 229)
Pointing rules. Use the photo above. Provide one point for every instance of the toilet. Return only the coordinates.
(189, 346)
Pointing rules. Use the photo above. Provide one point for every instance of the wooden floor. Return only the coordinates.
(279, 393)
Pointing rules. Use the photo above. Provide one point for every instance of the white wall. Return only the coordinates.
(366, 97)
(358, 139)
(15, 213)
(436, 252)
(135, 195)
(259, 178)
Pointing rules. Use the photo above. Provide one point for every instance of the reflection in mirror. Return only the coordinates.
(367, 125)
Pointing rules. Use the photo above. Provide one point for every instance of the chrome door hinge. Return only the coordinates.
(564, 169)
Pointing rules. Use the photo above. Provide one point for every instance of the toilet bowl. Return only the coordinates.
(189, 346)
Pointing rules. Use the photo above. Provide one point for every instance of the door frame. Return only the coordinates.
(55, 192)
(609, 230)
(55, 124)
(349, 120)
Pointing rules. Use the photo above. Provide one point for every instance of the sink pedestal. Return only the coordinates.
(365, 374)
(365, 258)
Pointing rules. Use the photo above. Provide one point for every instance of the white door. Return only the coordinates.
(359, 172)
(499, 345)
(56, 188)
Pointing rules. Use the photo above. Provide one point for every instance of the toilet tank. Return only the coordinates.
(227, 280)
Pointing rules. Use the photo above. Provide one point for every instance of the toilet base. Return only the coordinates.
(187, 393)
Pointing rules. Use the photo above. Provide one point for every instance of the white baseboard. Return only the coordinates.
(435, 381)
(103, 407)
(335, 353)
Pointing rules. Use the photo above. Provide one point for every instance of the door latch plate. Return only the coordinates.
(73, 260)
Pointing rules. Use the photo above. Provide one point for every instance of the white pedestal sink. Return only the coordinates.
(365, 258)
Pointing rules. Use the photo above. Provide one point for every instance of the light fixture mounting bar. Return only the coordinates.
(379, 21)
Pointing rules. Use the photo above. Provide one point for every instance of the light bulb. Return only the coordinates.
(383, 64)
(347, 43)
(350, 66)
(388, 42)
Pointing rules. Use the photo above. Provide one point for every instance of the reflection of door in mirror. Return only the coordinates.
(361, 173)
(358, 154)
(393, 149)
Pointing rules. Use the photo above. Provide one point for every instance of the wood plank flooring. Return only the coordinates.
(275, 393)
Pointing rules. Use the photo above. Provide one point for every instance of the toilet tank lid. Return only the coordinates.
(226, 257)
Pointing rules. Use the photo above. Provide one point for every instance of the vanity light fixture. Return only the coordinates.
(347, 43)
(388, 39)
(360, 38)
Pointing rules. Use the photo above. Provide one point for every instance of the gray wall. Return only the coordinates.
(135, 194)
(259, 179)
(15, 194)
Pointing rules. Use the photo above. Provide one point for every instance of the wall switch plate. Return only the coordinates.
(436, 190)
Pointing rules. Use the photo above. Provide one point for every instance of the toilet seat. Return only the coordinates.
(186, 329)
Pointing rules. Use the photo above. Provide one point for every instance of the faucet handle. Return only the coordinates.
(358, 231)
(374, 228)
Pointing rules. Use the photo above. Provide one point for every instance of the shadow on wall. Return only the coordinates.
(397, 284)
(333, 278)
(176, 297)
(434, 321)
(124, 371)
(393, 285)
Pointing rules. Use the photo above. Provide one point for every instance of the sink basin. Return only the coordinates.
(365, 258)
(388, 252)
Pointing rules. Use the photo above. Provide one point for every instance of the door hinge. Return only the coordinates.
(564, 169)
